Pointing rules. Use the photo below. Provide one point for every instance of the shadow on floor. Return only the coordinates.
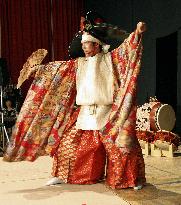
(52, 191)
(149, 195)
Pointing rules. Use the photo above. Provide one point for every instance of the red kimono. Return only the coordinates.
(46, 124)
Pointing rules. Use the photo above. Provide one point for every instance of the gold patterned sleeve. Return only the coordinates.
(124, 53)
(31, 65)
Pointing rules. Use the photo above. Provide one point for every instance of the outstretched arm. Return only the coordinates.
(131, 43)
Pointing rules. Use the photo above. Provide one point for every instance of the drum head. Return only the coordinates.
(166, 117)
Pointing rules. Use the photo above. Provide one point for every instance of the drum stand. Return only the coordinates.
(162, 150)
(3, 133)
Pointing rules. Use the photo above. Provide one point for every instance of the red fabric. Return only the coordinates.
(124, 170)
(80, 157)
(66, 21)
(44, 117)
(90, 159)
(26, 27)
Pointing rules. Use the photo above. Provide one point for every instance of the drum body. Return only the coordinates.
(162, 117)
(154, 116)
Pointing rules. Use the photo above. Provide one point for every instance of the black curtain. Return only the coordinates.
(166, 69)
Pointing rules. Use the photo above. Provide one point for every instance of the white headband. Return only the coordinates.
(87, 37)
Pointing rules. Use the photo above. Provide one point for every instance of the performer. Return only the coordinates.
(103, 86)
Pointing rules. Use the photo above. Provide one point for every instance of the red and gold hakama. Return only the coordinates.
(81, 159)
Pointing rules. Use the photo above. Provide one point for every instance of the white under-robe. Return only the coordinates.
(94, 84)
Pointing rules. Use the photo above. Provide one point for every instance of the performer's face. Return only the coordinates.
(90, 48)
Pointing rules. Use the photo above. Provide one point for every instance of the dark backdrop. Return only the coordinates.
(161, 65)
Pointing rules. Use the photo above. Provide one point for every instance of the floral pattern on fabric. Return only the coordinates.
(45, 112)
(125, 161)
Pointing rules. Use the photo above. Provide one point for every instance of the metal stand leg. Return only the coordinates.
(4, 134)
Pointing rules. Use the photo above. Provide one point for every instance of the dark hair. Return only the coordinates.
(8, 99)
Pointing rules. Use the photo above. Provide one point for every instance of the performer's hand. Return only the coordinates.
(141, 28)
